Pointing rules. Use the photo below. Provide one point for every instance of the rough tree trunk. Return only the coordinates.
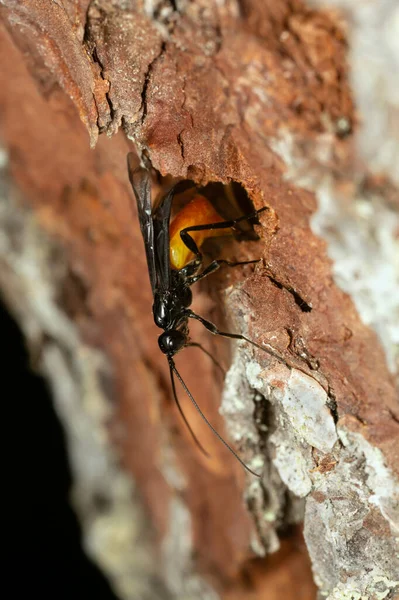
(252, 91)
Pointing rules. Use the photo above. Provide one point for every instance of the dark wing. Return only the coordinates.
(161, 218)
(141, 184)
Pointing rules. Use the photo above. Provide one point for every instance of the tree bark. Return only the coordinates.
(257, 93)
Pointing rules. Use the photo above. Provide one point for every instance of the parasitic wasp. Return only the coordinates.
(175, 263)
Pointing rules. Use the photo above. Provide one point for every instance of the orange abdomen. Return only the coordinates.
(197, 212)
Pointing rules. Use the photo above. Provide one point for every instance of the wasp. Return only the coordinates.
(175, 263)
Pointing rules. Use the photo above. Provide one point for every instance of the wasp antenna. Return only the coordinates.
(173, 369)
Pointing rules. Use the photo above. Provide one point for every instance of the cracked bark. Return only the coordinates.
(255, 93)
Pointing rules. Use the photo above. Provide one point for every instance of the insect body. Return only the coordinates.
(174, 265)
(198, 212)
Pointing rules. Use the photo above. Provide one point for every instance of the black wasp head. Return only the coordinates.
(171, 341)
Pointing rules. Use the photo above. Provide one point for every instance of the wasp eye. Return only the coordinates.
(171, 341)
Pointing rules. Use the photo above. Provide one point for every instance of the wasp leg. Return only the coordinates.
(190, 243)
(216, 264)
(213, 359)
(235, 336)
(213, 329)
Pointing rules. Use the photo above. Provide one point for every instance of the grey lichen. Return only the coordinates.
(303, 421)
(364, 247)
(305, 404)
(352, 541)
(373, 29)
(350, 497)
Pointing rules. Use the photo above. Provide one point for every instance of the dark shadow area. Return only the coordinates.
(44, 556)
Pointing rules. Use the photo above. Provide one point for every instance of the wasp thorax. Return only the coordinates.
(186, 297)
(171, 341)
(161, 311)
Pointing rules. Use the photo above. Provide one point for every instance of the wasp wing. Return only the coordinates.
(161, 219)
(141, 184)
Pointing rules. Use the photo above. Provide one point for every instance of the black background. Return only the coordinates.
(44, 556)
